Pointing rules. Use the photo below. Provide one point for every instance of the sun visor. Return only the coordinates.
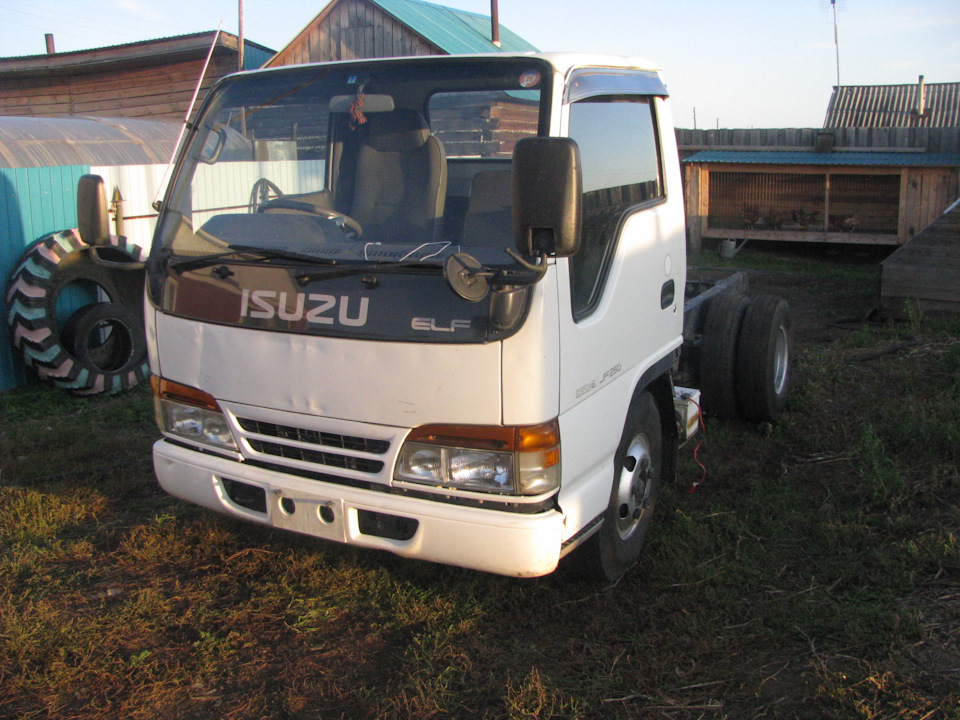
(610, 81)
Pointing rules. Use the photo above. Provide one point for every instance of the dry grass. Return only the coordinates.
(814, 574)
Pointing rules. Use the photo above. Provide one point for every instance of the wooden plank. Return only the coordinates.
(817, 236)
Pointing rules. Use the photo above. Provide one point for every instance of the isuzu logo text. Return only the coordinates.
(314, 307)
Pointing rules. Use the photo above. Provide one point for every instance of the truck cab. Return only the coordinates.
(426, 305)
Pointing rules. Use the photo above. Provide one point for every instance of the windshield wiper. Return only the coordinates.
(180, 266)
(305, 276)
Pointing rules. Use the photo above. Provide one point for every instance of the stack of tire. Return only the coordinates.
(101, 348)
(745, 357)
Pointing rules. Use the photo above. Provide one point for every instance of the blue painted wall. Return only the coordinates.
(33, 202)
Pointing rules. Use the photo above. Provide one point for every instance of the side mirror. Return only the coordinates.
(547, 191)
(93, 221)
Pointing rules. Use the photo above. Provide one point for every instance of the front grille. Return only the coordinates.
(314, 437)
(315, 447)
(317, 457)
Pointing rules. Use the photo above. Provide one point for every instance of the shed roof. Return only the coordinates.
(44, 142)
(153, 51)
(865, 159)
(456, 32)
(894, 106)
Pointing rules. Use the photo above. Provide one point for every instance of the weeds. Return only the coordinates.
(814, 573)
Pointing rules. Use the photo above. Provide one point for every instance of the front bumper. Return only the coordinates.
(485, 539)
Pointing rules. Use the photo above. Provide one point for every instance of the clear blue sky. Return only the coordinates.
(765, 63)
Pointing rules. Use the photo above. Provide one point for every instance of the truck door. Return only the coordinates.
(621, 295)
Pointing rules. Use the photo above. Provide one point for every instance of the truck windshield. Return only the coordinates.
(361, 163)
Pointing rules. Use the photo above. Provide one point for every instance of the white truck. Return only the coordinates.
(433, 306)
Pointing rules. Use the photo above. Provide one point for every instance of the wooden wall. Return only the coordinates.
(353, 29)
(160, 92)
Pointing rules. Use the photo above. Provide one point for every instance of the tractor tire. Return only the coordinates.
(46, 268)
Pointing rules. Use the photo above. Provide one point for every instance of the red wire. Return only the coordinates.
(696, 450)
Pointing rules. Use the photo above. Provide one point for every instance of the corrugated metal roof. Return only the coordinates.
(774, 157)
(894, 106)
(49, 142)
(456, 32)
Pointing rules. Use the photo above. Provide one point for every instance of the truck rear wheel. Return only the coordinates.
(638, 468)
(718, 354)
(763, 359)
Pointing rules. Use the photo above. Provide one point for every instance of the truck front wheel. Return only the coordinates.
(638, 468)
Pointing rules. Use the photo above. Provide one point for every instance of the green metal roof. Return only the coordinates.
(456, 32)
(778, 157)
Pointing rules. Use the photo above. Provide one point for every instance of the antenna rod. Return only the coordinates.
(836, 38)
(186, 118)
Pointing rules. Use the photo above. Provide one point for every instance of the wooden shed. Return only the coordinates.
(925, 272)
(350, 29)
(840, 197)
(152, 79)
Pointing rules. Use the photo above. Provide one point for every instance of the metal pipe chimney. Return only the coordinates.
(240, 40)
(921, 104)
(494, 23)
(48, 37)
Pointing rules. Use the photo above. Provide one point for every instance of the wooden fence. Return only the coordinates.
(931, 140)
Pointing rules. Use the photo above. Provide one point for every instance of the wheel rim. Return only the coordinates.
(781, 361)
(635, 486)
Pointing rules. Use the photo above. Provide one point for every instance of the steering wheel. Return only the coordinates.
(263, 191)
(349, 226)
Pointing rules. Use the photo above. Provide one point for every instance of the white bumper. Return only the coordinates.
(493, 541)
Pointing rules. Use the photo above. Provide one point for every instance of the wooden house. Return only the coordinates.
(884, 166)
(355, 29)
(153, 79)
(350, 29)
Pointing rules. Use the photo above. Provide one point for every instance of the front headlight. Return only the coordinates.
(191, 414)
(503, 460)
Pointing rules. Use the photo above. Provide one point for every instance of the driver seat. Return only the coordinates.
(401, 180)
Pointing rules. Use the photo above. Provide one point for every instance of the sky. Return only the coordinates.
(727, 63)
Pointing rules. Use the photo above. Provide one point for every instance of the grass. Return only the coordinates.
(814, 573)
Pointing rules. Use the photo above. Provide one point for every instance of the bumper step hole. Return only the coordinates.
(246, 496)
(391, 527)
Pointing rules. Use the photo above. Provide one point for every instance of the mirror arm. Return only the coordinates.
(539, 269)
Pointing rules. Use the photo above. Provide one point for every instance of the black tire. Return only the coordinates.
(46, 267)
(718, 354)
(764, 359)
(109, 342)
(638, 466)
